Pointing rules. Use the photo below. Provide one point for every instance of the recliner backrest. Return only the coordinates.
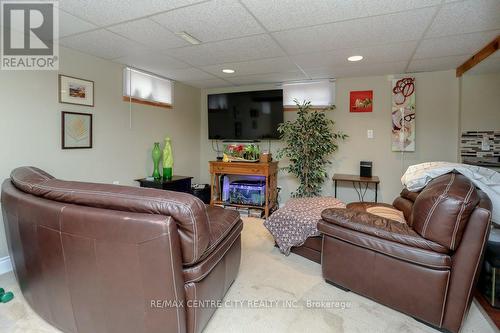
(443, 208)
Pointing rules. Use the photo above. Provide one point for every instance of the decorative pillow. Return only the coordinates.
(387, 212)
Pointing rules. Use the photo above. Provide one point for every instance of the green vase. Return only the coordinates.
(156, 160)
(168, 159)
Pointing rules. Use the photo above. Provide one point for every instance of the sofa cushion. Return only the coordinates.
(380, 209)
(203, 267)
(188, 211)
(408, 253)
(377, 226)
(221, 221)
(443, 208)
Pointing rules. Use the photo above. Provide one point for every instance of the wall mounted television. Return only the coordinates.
(251, 115)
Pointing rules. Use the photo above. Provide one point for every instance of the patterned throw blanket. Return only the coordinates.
(292, 224)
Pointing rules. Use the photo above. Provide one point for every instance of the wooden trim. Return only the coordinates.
(482, 54)
(150, 103)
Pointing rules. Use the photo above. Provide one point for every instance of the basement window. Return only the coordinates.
(320, 93)
(146, 88)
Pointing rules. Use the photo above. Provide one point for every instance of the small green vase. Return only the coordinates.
(168, 160)
(156, 160)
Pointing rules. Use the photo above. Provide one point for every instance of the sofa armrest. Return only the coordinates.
(467, 263)
(374, 225)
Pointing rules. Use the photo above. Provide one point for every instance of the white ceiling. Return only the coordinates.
(267, 41)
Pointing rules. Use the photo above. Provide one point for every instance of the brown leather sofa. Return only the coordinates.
(426, 267)
(93, 258)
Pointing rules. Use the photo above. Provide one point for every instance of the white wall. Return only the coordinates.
(479, 98)
(30, 126)
(437, 101)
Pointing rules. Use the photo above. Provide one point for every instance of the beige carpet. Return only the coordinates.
(265, 274)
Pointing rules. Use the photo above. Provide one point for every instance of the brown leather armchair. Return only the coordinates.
(426, 267)
(95, 258)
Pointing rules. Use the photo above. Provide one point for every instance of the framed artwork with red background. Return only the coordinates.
(361, 101)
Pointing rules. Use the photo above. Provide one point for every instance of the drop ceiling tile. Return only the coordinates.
(70, 25)
(233, 50)
(288, 14)
(150, 60)
(262, 66)
(377, 7)
(106, 12)
(187, 74)
(436, 64)
(212, 83)
(358, 70)
(149, 33)
(373, 54)
(267, 78)
(466, 16)
(385, 29)
(100, 43)
(211, 21)
(454, 45)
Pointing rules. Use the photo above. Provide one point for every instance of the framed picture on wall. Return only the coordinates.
(361, 101)
(77, 91)
(403, 114)
(76, 130)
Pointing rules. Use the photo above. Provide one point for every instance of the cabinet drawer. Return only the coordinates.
(254, 170)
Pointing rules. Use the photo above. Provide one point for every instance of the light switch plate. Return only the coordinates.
(369, 134)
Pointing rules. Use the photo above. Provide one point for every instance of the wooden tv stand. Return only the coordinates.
(268, 170)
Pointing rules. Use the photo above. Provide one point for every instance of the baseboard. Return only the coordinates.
(5, 265)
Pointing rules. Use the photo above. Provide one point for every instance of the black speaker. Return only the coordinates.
(202, 191)
(365, 168)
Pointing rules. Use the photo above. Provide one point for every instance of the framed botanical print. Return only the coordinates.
(77, 91)
(76, 130)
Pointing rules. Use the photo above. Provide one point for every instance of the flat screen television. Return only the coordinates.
(252, 115)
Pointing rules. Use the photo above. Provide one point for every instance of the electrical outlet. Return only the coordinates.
(369, 134)
(116, 182)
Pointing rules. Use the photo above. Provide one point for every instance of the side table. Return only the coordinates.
(176, 183)
(357, 181)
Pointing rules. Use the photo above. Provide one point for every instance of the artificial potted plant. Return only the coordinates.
(309, 142)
